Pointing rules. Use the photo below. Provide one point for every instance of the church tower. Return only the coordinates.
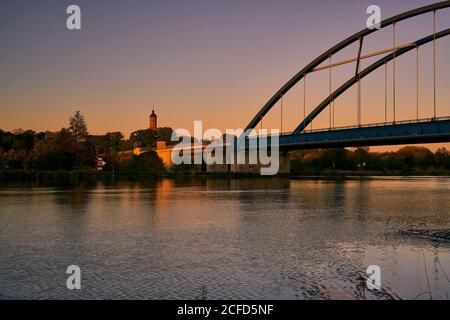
(153, 121)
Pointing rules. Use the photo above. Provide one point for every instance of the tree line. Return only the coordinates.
(407, 160)
(73, 148)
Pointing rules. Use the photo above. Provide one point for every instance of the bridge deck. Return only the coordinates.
(424, 131)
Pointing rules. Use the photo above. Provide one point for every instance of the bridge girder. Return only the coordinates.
(431, 131)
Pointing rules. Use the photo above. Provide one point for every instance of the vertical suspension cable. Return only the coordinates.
(434, 64)
(333, 113)
(330, 111)
(393, 71)
(304, 104)
(358, 89)
(359, 102)
(385, 92)
(417, 82)
(281, 111)
(304, 97)
(358, 97)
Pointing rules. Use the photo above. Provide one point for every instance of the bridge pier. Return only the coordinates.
(284, 161)
(283, 157)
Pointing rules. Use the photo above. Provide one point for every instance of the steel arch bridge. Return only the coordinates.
(431, 130)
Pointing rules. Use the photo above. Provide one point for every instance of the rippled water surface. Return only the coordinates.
(227, 239)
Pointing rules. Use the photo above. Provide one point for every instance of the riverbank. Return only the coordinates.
(367, 173)
(93, 175)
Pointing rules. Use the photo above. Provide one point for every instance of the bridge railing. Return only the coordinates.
(371, 125)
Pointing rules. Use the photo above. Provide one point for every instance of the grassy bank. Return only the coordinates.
(93, 175)
(68, 176)
(366, 173)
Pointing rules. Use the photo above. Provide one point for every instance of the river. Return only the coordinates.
(309, 238)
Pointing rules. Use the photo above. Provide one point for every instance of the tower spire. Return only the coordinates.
(153, 120)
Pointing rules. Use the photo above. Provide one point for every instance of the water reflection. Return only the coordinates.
(239, 239)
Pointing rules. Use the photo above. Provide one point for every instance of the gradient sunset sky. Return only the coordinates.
(216, 61)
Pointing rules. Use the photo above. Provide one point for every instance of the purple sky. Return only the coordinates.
(216, 61)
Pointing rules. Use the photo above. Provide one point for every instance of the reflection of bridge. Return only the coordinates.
(434, 129)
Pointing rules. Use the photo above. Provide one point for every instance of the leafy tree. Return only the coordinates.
(143, 138)
(146, 163)
(55, 152)
(334, 159)
(110, 142)
(5, 140)
(113, 140)
(24, 140)
(165, 134)
(113, 161)
(312, 159)
(17, 158)
(78, 127)
(415, 157)
(87, 157)
(126, 145)
(61, 151)
(361, 157)
(2, 159)
(442, 158)
(18, 131)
